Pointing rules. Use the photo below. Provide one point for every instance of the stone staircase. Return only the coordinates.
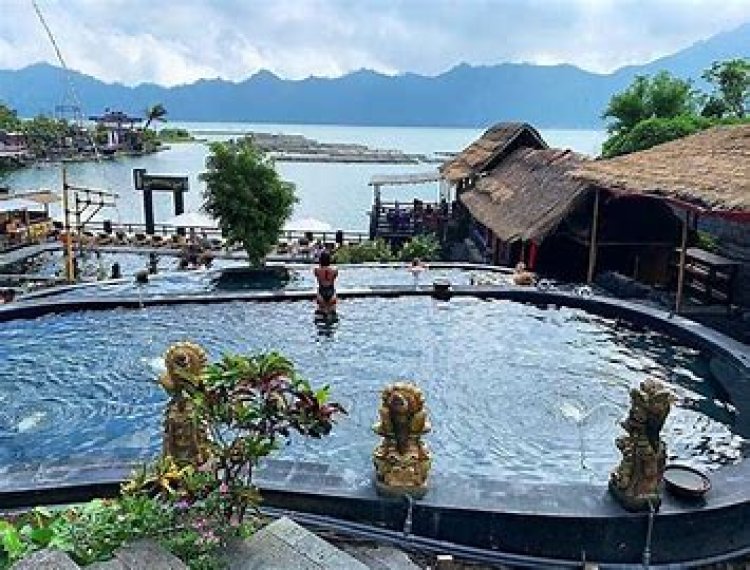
(282, 545)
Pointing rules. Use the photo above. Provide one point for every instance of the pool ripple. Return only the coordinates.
(513, 390)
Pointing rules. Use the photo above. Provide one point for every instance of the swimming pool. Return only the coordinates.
(205, 281)
(515, 391)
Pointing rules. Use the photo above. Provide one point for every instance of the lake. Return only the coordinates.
(335, 193)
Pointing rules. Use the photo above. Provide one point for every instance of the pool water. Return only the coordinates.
(514, 391)
(205, 281)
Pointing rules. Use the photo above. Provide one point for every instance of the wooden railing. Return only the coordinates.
(311, 236)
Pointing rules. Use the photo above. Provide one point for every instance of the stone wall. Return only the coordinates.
(733, 239)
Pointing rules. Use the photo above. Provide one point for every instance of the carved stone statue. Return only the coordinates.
(636, 480)
(402, 460)
(184, 437)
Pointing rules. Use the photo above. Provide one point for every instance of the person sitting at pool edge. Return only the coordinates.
(326, 275)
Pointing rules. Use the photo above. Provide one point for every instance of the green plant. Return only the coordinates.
(731, 79)
(249, 405)
(366, 251)
(247, 197)
(707, 241)
(661, 96)
(425, 247)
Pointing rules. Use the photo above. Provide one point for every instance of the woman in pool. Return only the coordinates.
(416, 269)
(326, 275)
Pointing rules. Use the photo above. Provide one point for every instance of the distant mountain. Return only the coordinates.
(473, 96)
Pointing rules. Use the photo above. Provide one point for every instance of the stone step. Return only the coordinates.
(46, 559)
(381, 557)
(146, 555)
(285, 545)
(113, 564)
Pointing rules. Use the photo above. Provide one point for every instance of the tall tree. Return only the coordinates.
(247, 197)
(155, 113)
(662, 96)
(731, 79)
(9, 120)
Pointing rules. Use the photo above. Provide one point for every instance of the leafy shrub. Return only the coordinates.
(364, 252)
(425, 247)
(249, 405)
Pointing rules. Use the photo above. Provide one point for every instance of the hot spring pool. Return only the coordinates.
(514, 391)
(204, 281)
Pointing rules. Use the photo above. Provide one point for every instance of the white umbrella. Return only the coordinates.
(192, 220)
(20, 204)
(307, 225)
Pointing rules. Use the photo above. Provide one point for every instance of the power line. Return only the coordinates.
(68, 75)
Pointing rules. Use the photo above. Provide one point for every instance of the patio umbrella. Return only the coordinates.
(192, 220)
(307, 225)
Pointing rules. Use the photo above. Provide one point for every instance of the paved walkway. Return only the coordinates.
(16, 255)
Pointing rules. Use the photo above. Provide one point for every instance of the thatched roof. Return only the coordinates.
(709, 170)
(487, 150)
(528, 194)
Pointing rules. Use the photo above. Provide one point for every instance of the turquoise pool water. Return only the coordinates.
(514, 391)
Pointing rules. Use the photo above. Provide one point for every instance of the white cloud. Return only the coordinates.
(179, 41)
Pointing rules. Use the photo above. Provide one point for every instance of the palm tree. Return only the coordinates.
(155, 113)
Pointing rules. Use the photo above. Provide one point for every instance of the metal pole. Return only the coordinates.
(68, 238)
(592, 244)
(681, 270)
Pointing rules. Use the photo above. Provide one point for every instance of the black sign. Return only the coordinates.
(161, 182)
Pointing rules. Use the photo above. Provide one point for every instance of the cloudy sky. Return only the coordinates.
(179, 41)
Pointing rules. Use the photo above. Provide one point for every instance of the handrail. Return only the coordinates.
(288, 235)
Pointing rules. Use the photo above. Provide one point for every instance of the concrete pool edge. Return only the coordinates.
(604, 534)
(489, 514)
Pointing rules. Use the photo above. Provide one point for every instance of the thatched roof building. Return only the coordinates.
(709, 171)
(527, 194)
(488, 150)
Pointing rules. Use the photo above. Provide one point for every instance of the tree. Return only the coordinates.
(155, 113)
(731, 79)
(247, 197)
(9, 120)
(662, 96)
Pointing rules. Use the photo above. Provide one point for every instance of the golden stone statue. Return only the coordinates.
(521, 276)
(402, 460)
(635, 482)
(184, 437)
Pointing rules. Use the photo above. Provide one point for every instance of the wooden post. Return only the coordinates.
(68, 238)
(681, 269)
(592, 243)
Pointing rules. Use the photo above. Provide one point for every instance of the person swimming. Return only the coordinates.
(416, 268)
(326, 275)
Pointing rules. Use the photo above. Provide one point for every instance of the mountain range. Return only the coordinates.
(559, 96)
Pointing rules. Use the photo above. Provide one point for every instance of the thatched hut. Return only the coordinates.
(525, 205)
(705, 178)
(487, 151)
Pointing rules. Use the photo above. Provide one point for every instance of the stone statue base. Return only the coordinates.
(398, 491)
(634, 503)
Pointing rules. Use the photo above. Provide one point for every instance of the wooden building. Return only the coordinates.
(525, 205)
(705, 180)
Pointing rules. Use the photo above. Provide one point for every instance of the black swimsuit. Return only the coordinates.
(327, 292)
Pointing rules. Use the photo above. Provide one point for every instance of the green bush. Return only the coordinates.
(364, 252)
(425, 247)
(175, 135)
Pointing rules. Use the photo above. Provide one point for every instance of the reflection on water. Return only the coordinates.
(514, 391)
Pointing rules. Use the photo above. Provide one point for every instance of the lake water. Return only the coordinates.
(334, 193)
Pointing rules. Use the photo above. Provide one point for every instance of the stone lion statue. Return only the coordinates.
(402, 461)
